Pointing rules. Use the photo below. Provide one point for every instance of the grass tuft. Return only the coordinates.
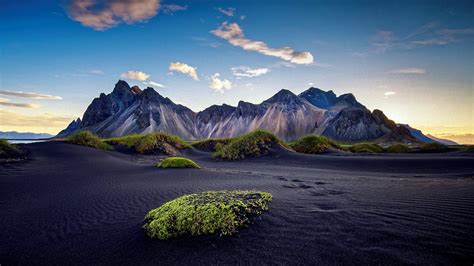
(86, 138)
(209, 145)
(398, 148)
(366, 148)
(150, 143)
(177, 162)
(9, 151)
(213, 212)
(254, 144)
(313, 144)
(434, 147)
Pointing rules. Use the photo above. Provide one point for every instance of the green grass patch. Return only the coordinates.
(213, 212)
(177, 162)
(433, 147)
(9, 151)
(209, 145)
(366, 148)
(150, 143)
(86, 138)
(398, 148)
(254, 144)
(313, 144)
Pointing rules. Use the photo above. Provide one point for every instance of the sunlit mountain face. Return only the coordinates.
(413, 60)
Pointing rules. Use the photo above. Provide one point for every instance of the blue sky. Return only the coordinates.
(412, 59)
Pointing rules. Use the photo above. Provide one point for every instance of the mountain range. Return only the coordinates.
(128, 110)
(23, 135)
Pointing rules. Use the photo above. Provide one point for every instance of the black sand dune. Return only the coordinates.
(76, 205)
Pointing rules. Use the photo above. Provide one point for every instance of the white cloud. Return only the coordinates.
(185, 69)
(218, 84)
(242, 17)
(31, 95)
(105, 14)
(230, 12)
(235, 36)
(152, 83)
(136, 75)
(310, 83)
(172, 8)
(244, 71)
(389, 93)
(410, 70)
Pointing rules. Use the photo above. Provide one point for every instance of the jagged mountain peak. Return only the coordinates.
(284, 96)
(319, 98)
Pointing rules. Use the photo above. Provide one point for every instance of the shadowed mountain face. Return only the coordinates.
(129, 110)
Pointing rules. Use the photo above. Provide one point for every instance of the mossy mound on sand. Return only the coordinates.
(177, 162)
(434, 147)
(86, 138)
(313, 144)
(9, 151)
(209, 145)
(213, 212)
(151, 143)
(254, 144)
(398, 148)
(366, 148)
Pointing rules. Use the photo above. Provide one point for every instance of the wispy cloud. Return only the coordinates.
(429, 34)
(206, 42)
(31, 95)
(409, 70)
(135, 75)
(389, 93)
(105, 14)
(244, 71)
(185, 69)
(235, 36)
(6, 102)
(96, 72)
(172, 8)
(152, 83)
(218, 84)
(230, 12)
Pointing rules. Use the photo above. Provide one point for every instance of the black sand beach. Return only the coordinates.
(77, 205)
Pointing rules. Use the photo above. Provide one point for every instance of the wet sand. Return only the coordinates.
(76, 205)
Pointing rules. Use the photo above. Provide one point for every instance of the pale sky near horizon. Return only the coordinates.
(411, 59)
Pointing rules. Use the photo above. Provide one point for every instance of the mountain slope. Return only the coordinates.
(128, 110)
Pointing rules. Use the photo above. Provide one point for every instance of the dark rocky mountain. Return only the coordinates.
(129, 110)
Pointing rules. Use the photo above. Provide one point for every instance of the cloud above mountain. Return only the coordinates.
(244, 71)
(185, 69)
(218, 84)
(235, 36)
(135, 75)
(102, 15)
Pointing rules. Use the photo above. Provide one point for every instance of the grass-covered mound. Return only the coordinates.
(9, 151)
(433, 147)
(254, 144)
(313, 144)
(210, 145)
(398, 148)
(366, 148)
(151, 143)
(214, 212)
(177, 162)
(86, 138)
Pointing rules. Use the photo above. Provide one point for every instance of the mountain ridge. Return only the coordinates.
(128, 110)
